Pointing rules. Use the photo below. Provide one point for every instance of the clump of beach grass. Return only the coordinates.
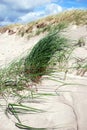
(37, 62)
(12, 77)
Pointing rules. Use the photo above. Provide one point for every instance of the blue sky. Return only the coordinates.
(24, 11)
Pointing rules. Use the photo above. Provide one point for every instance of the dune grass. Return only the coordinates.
(76, 16)
(38, 61)
(81, 66)
(12, 77)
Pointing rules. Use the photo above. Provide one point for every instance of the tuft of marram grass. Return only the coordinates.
(37, 62)
(12, 77)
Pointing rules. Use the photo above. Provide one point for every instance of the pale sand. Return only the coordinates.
(13, 47)
(65, 111)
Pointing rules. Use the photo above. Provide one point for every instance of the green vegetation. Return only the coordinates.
(38, 61)
(81, 42)
(81, 66)
(18, 109)
(12, 77)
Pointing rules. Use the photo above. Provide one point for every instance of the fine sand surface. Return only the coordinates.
(13, 47)
(67, 109)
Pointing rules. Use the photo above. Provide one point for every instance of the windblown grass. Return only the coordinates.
(76, 16)
(18, 109)
(12, 77)
(81, 66)
(37, 62)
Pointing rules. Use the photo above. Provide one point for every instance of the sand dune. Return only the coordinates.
(67, 110)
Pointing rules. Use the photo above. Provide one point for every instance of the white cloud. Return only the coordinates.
(25, 4)
(53, 9)
(31, 16)
(49, 9)
(12, 11)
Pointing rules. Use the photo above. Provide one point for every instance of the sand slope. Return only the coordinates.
(13, 47)
(67, 110)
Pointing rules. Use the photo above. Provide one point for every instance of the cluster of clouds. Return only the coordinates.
(23, 11)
